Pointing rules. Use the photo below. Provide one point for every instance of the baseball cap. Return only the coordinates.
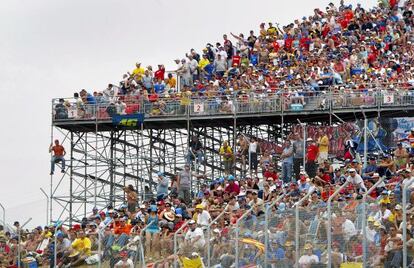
(191, 222)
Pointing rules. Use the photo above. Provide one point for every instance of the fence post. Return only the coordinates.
(175, 243)
(55, 241)
(297, 204)
(404, 222)
(209, 234)
(330, 222)
(19, 230)
(141, 234)
(237, 233)
(267, 225)
(100, 243)
(364, 222)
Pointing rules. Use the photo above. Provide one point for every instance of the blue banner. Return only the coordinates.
(128, 120)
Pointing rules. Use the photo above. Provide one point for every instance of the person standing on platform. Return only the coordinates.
(311, 156)
(254, 150)
(58, 156)
(323, 146)
(297, 155)
(227, 154)
(184, 184)
(132, 198)
(287, 162)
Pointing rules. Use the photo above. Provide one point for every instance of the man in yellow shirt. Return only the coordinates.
(203, 62)
(138, 72)
(171, 81)
(81, 249)
(323, 145)
(227, 153)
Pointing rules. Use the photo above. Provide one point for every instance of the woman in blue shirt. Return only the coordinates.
(152, 232)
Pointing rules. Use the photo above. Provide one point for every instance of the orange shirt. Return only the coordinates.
(126, 229)
(58, 150)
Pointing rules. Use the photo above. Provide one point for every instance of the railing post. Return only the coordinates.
(4, 215)
(141, 234)
(364, 222)
(19, 241)
(99, 243)
(209, 234)
(175, 243)
(267, 226)
(237, 233)
(404, 222)
(297, 227)
(55, 241)
(330, 222)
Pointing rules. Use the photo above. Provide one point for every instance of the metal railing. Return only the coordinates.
(275, 103)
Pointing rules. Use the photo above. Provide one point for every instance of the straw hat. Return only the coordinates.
(169, 215)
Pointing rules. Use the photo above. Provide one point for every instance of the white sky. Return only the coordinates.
(52, 48)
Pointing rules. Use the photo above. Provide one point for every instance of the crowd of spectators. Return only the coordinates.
(345, 49)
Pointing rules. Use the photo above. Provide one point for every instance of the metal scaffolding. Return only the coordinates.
(115, 158)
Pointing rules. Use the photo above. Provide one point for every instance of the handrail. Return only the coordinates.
(364, 222)
(237, 233)
(297, 227)
(273, 103)
(175, 242)
(280, 197)
(140, 242)
(330, 221)
(55, 241)
(404, 222)
(209, 233)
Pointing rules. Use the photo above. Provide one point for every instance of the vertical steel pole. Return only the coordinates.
(404, 222)
(95, 182)
(330, 222)
(364, 222)
(297, 227)
(47, 204)
(19, 241)
(365, 141)
(209, 234)
(4, 215)
(141, 234)
(238, 233)
(175, 242)
(267, 226)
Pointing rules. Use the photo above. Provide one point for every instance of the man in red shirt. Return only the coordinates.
(232, 188)
(236, 59)
(312, 153)
(159, 74)
(58, 156)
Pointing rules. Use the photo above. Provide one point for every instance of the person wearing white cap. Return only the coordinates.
(195, 236)
(356, 179)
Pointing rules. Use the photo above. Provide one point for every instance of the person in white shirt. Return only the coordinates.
(356, 179)
(125, 262)
(203, 217)
(383, 214)
(306, 261)
(370, 230)
(195, 236)
(348, 229)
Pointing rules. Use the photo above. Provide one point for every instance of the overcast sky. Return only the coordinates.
(52, 48)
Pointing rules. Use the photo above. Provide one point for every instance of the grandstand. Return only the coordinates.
(243, 156)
